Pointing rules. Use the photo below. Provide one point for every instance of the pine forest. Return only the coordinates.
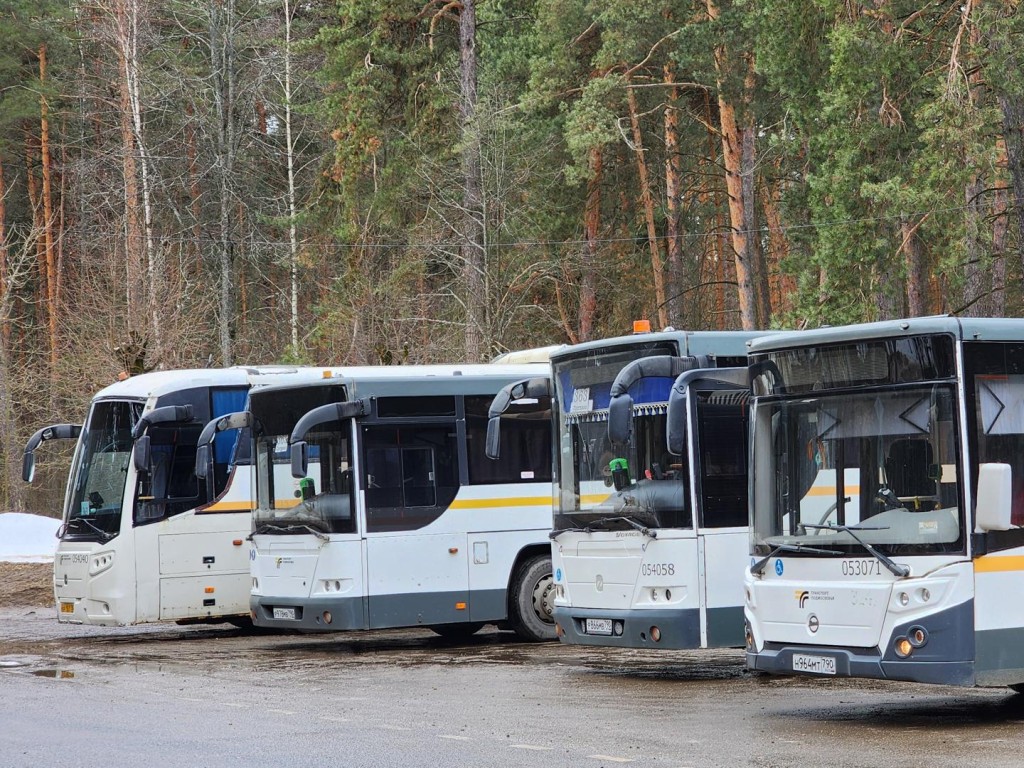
(191, 183)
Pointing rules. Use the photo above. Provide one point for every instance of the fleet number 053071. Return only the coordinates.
(863, 567)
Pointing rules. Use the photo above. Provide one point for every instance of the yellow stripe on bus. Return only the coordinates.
(589, 499)
(515, 501)
(999, 563)
(830, 490)
(228, 506)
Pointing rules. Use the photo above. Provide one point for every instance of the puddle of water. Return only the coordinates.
(56, 674)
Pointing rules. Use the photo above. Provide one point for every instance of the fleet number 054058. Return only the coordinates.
(658, 569)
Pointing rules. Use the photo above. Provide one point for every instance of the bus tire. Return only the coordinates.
(457, 631)
(532, 600)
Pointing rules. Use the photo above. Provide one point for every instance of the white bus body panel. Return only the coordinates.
(454, 570)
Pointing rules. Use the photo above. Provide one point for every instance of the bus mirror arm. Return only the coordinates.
(204, 456)
(349, 409)
(620, 403)
(52, 432)
(677, 412)
(162, 415)
(536, 388)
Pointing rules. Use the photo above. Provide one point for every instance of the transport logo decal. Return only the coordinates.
(801, 596)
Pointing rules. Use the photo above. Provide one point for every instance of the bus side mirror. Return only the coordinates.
(300, 458)
(620, 416)
(995, 498)
(141, 454)
(28, 466)
(203, 461)
(493, 445)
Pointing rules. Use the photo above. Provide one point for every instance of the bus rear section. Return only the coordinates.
(378, 508)
(887, 466)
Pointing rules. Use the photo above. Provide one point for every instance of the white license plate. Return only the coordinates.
(816, 665)
(599, 626)
(284, 613)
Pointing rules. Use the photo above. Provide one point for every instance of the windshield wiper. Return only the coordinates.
(758, 567)
(894, 567)
(288, 528)
(625, 519)
(590, 526)
(107, 536)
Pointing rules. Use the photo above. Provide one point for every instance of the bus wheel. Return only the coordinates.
(533, 600)
(457, 631)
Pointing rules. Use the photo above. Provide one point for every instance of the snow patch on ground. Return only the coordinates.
(27, 538)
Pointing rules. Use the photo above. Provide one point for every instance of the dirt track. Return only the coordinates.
(26, 584)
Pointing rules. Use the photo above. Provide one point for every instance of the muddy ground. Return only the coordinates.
(26, 584)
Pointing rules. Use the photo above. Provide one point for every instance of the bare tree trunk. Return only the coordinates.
(5, 326)
(673, 199)
(592, 231)
(154, 267)
(782, 287)
(738, 157)
(223, 65)
(995, 306)
(48, 219)
(917, 270)
(293, 244)
(134, 246)
(472, 248)
(647, 200)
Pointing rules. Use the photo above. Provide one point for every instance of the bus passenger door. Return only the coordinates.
(723, 533)
(417, 569)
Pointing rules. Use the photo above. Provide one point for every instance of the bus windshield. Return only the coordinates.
(639, 480)
(101, 471)
(839, 471)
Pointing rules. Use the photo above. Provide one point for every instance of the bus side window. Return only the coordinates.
(411, 475)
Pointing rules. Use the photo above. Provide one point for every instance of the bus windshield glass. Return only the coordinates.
(838, 471)
(322, 501)
(101, 470)
(614, 485)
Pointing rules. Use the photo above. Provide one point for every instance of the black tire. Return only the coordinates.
(532, 600)
(1016, 687)
(457, 631)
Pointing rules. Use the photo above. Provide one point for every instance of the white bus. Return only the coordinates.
(647, 545)
(377, 508)
(887, 495)
(142, 540)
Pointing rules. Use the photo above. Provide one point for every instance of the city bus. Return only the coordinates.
(647, 545)
(376, 506)
(141, 539)
(887, 502)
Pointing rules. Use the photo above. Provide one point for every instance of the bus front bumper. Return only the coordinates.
(662, 629)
